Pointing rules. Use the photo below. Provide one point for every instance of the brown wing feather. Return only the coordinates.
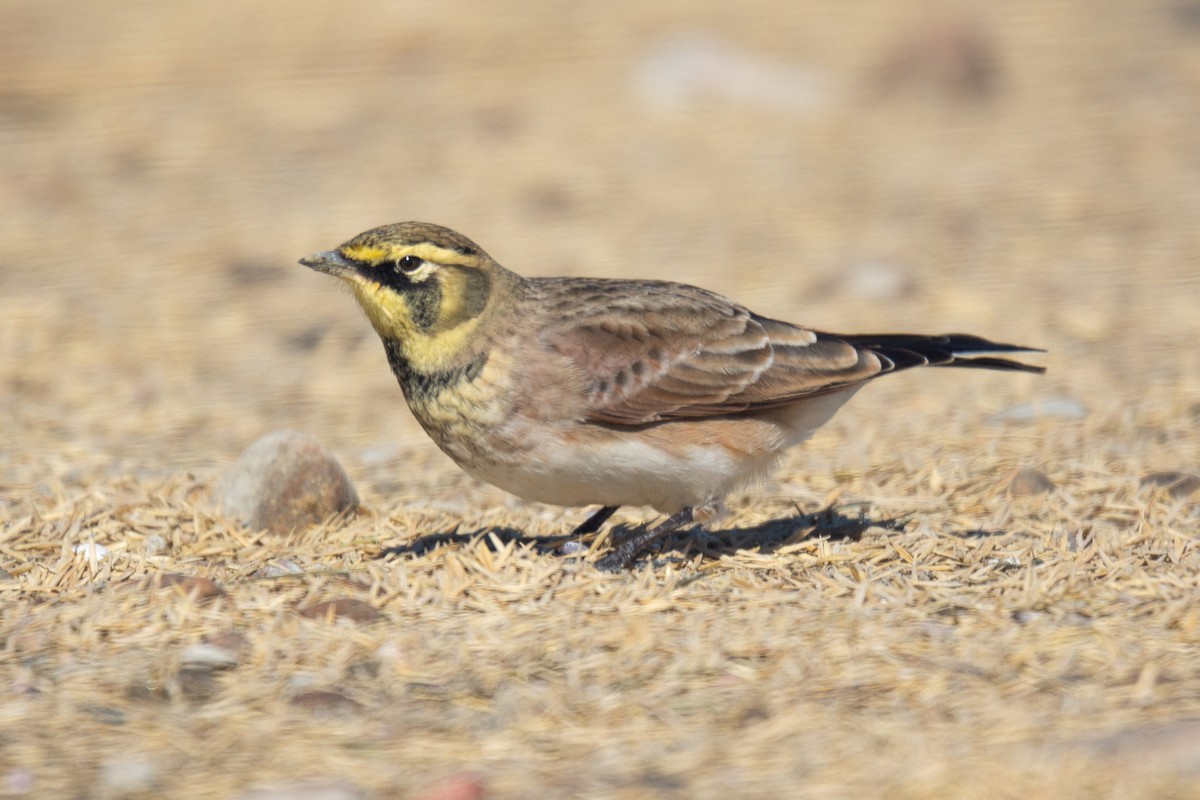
(669, 351)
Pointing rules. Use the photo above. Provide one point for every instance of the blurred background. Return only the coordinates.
(1025, 170)
(1028, 171)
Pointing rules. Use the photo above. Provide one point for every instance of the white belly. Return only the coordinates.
(626, 472)
(629, 468)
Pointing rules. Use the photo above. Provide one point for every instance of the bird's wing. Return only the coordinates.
(659, 351)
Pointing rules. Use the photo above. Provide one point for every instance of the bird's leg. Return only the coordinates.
(570, 544)
(593, 523)
(623, 555)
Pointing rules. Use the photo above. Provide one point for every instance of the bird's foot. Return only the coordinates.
(623, 555)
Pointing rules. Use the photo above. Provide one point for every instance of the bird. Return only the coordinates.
(604, 392)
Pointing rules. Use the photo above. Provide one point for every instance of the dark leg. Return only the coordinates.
(593, 523)
(623, 555)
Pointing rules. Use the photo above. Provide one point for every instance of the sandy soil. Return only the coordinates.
(1027, 171)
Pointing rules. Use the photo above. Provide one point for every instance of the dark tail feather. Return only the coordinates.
(998, 363)
(949, 350)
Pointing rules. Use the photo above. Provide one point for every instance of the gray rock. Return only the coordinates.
(688, 70)
(1060, 407)
(128, 775)
(342, 608)
(1177, 484)
(285, 481)
(211, 656)
(326, 703)
(1029, 482)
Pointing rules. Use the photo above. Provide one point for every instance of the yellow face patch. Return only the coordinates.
(423, 289)
(385, 309)
(425, 348)
(365, 253)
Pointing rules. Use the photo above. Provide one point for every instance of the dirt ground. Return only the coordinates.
(1028, 171)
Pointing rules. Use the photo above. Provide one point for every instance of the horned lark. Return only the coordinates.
(579, 391)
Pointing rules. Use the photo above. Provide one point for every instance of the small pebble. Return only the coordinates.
(326, 703)
(231, 641)
(1056, 407)
(199, 587)
(279, 567)
(342, 608)
(955, 58)
(390, 652)
(210, 656)
(688, 70)
(1177, 484)
(285, 481)
(106, 715)
(878, 280)
(125, 776)
(92, 550)
(197, 683)
(368, 669)
(17, 781)
(1029, 482)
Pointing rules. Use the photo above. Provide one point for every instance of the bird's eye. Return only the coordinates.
(408, 264)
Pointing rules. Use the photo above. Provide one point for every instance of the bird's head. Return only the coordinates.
(424, 287)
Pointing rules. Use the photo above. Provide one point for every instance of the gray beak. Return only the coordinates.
(330, 262)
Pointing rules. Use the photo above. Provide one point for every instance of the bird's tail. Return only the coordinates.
(948, 350)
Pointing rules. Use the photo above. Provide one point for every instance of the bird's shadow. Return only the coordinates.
(765, 537)
(770, 536)
(431, 541)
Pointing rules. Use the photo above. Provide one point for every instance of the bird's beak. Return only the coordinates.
(329, 262)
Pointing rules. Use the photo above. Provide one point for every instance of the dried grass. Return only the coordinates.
(882, 620)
